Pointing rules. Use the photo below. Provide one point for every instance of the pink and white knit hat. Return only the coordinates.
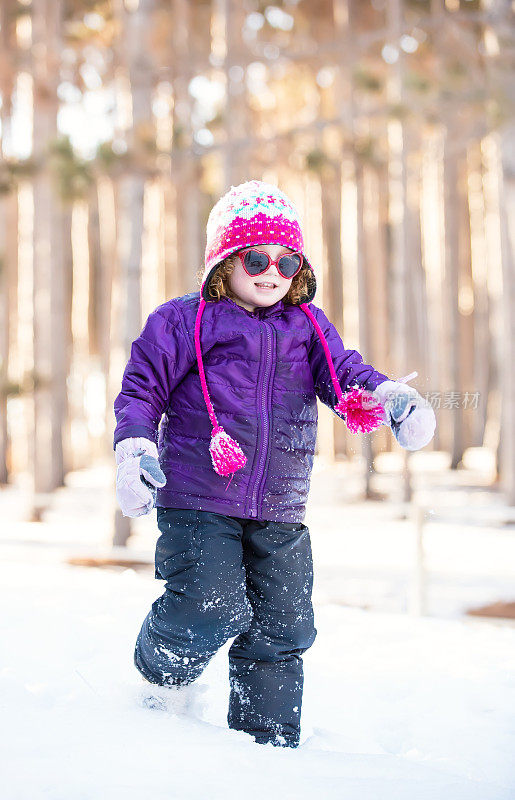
(250, 214)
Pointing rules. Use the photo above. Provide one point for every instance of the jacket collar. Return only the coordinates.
(261, 312)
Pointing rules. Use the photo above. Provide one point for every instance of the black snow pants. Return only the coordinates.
(232, 577)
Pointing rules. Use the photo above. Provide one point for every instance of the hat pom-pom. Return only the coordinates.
(362, 410)
(226, 454)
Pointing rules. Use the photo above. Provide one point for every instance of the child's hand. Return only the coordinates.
(137, 476)
(410, 417)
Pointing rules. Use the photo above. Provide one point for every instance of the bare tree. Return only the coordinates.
(8, 230)
(136, 82)
(49, 343)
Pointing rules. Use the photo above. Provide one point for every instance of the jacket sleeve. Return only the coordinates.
(348, 364)
(160, 358)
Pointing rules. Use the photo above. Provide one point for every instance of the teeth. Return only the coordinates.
(271, 285)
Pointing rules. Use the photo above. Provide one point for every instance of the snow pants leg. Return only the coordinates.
(199, 555)
(265, 662)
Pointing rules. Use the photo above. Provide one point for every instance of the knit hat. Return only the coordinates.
(250, 214)
(256, 213)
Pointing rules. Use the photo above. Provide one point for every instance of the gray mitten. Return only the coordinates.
(410, 417)
(151, 474)
(137, 475)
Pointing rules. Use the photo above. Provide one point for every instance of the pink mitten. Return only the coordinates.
(137, 458)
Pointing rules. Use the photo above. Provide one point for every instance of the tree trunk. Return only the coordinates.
(397, 175)
(139, 83)
(186, 166)
(49, 344)
(453, 332)
(481, 317)
(331, 191)
(235, 157)
(507, 211)
(8, 201)
(465, 308)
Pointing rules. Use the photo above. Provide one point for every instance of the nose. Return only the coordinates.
(271, 271)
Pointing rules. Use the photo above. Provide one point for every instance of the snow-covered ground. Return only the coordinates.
(395, 706)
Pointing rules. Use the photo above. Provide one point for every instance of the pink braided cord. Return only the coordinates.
(202, 374)
(336, 383)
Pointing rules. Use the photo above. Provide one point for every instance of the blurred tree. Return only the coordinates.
(390, 124)
(8, 225)
(136, 83)
(50, 340)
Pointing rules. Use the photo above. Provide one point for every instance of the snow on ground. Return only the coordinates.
(395, 706)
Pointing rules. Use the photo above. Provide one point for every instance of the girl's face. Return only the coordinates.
(261, 290)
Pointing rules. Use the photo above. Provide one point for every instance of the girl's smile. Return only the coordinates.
(266, 285)
(261, 290)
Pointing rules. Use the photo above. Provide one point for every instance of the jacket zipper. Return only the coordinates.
(265, 426)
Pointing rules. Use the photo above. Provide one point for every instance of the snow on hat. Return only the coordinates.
(250, 214)
(256, 213)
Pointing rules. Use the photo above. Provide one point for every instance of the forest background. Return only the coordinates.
(391, 126)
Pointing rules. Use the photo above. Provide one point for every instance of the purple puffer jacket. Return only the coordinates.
(264, 370)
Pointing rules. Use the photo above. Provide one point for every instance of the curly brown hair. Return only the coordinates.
(301, 286)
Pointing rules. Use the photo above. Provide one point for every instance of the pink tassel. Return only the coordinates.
(363, 412)
(226, 454)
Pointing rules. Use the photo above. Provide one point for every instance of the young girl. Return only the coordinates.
(235, 370)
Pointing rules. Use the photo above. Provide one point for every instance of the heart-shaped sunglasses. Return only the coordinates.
(255, 262)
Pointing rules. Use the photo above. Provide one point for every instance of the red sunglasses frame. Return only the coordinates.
(241, 254)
